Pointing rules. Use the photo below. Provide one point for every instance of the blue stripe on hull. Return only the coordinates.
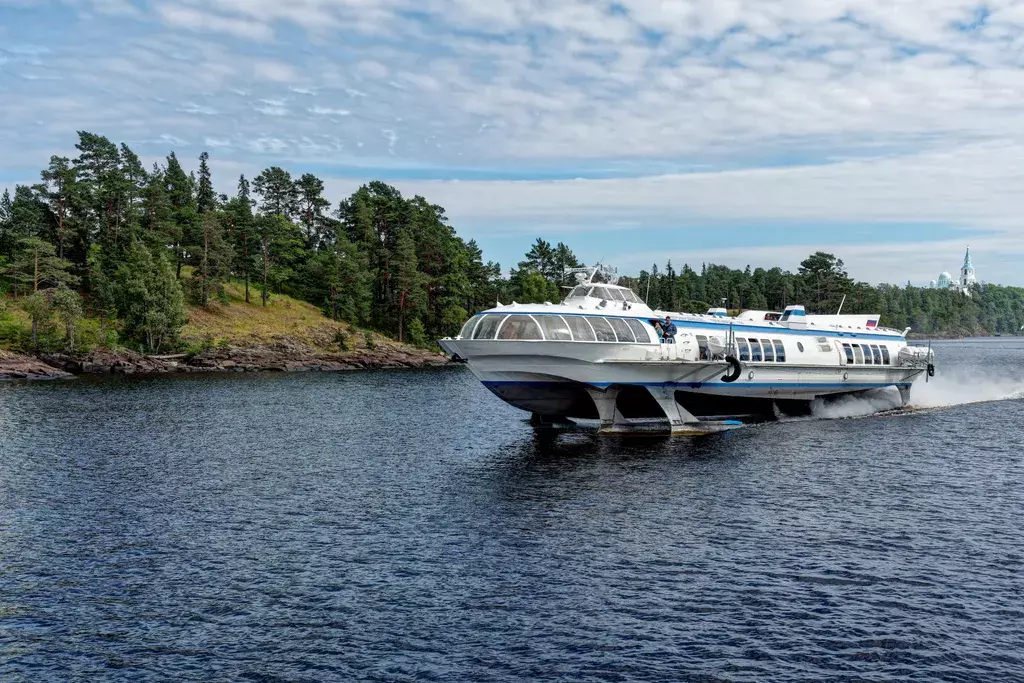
(698, 385)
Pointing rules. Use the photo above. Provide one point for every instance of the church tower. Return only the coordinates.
(967, 277)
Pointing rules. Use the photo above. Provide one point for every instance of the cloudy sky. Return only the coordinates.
(735, 131)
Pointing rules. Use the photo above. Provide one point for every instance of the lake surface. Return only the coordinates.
(401, 526)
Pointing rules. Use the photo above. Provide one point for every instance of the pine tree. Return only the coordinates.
(206, 198)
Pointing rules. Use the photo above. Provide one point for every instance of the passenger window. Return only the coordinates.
(639, 330)
(744, 349)
(849, 354)
(858, 355)
(769, 353)
(520, 327)
(467, 329)
(755, 351)
(488, 326)
(877, 354)
(622, 330)
(780, 351)
(602, 329)
(581, 329)
(555, 329)
(885, 355)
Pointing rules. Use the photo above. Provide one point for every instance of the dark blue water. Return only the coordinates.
(401, 526)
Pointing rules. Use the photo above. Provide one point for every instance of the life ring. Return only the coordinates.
(736, 369)
(931, 370)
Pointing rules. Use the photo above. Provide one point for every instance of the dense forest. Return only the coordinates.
(103, 251)
(822, 284)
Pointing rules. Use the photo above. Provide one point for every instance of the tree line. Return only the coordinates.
(822, 284)
(103, 244)
(132, 246)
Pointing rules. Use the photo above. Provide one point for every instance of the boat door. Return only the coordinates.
(840, 352)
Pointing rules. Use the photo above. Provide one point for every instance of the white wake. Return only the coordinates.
(950, 388)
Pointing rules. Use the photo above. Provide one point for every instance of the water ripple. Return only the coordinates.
(409, 527)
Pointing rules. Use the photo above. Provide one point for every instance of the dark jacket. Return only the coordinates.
(668, 330)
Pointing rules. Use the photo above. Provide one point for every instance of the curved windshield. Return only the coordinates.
(581, 329)
(639, 330)
(622, 330)
(603, 330)
(467, 329)
(616, 294)
(555, 329)
(631, 297)
(580, 291)
(601, 293)
(488, 326)
(520, 327)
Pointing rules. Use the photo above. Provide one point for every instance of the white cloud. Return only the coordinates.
(275, 71)
(839, 110)
(196, 20)
(329, 111)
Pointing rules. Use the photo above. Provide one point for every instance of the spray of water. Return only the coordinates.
(955, 387)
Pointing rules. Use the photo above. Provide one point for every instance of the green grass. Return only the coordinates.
(231, 322)
(239, 323)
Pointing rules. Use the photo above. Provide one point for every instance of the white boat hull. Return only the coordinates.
(586, 358)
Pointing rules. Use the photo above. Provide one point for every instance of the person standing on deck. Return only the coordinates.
(668, 331)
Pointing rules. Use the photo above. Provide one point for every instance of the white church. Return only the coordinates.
(967, 278)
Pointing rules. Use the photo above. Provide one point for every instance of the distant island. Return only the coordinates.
(109, 266)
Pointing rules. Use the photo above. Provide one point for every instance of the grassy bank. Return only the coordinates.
(225, 322)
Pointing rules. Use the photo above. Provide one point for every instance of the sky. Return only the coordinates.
(888, 132)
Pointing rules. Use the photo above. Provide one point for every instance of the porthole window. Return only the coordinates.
(800, 347)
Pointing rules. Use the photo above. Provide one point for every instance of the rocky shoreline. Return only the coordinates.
(281, 356)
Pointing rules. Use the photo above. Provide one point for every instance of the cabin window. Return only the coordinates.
(780, 351)
(744, 349)
(769, 353)
(616, 294)
(823, 345)
(858, 355)
(520, 327)
(800, 347)
(603, 330)
(600, 293)
(639, 330)
(885, 355)
(578, 292)
(629, 296)
(622, 330)
(581, 329)
(755, 350)
(848, 350)
(555, 329)
(488, 326)
(467, 329)
(877, 354)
